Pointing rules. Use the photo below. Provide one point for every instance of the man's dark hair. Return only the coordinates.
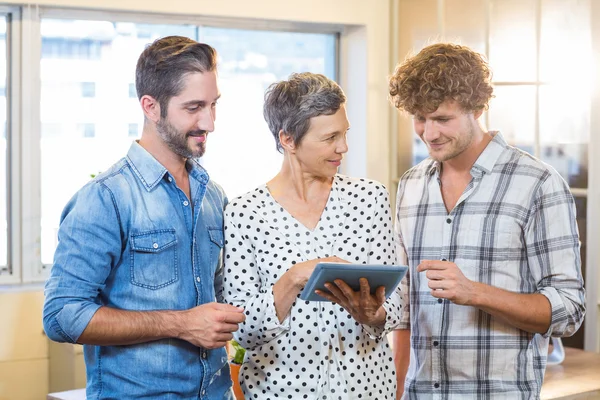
(163, 65)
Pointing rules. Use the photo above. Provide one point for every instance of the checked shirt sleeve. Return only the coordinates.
(553, 255)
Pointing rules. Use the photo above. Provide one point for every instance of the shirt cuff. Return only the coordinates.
(272, 327)
(391, 321)
(74, 318)
(558, 310)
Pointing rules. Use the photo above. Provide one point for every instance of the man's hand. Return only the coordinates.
(210, 325)
(447, 281)
(364, 307)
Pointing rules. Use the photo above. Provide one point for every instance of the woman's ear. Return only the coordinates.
(287, 142)
(151, 108)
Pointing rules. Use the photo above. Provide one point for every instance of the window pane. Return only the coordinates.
(420, 151)
(3, 151)
(87, 111)
(241, 151)
(512, 112)
(465, 23)
(512, 37)
(566, 42)
(417, 24)
(565, 131)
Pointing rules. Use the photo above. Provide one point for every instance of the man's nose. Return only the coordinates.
(206, 122)
(430, 133)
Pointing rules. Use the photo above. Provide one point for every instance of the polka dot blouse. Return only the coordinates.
(318, 351)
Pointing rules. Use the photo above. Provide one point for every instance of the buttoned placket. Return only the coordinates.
(191, 215)
(447, 231)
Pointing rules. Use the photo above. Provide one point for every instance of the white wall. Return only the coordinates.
(364, 66)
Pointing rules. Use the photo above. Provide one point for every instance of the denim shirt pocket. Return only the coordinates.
(154, 258)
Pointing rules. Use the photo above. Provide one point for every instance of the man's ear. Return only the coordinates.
(287, 142)
(477, 114)
(151, 108)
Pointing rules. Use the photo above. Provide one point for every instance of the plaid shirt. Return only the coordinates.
(513, 228)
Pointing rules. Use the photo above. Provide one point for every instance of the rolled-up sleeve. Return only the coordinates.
(553, 253)
(243, 287)
(89, 244)
(382, 251)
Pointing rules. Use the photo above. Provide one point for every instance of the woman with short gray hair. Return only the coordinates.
(277, 233)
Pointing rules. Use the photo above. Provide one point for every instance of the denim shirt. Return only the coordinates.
(131, 240)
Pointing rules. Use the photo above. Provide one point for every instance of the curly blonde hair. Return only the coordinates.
(440, 72)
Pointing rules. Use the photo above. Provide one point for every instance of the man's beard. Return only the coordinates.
(178, 141)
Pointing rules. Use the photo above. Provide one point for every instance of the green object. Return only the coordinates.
(238, 357)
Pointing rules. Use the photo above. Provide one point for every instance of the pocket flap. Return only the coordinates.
(153, 241)
(216, 236)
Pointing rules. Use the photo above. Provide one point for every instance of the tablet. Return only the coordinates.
(388, 276)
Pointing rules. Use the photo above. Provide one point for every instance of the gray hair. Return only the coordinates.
(289, 105)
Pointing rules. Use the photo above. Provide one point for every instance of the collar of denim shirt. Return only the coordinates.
(150, 171)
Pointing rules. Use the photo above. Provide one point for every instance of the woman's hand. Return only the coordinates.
(364, 307)
(291, 283)
(302, 271)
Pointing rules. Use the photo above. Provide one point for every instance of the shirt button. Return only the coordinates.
(440, 301)
(203, 354)
(203, 392)
(185, 203)
(197, 279)
(435, 342)
(449, 220)
(155, 245)
(436, 385)
(170, 179)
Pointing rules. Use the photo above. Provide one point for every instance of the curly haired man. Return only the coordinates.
(490, 235)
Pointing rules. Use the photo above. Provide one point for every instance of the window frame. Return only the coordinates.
(24, 182)
(13, 17)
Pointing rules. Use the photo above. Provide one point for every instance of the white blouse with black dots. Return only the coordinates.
(318, 351)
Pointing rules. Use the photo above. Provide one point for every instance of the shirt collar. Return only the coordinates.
(486, 160)
(488, 157)
(150, 171)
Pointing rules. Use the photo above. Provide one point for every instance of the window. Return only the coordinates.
(95, 133)
(87, 130)
(76, 110)
(133, 130)
(88, 89)
(132, 91)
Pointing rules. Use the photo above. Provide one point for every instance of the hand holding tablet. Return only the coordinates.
(388, 276)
